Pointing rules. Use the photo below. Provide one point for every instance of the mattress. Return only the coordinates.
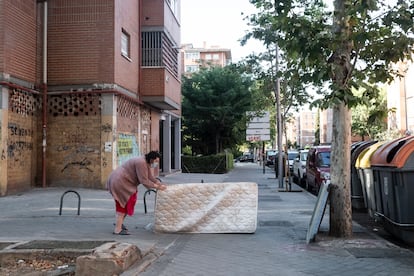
(207, 208)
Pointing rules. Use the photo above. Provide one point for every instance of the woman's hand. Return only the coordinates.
(160, 186)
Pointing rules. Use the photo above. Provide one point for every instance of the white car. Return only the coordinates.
(299, 166)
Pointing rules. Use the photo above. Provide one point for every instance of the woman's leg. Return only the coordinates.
(120, 217)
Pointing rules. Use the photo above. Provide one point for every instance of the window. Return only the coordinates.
(216, 57)
(152, 49)
(192, 56)
(208, 56)
(191, 68)
(125, 44)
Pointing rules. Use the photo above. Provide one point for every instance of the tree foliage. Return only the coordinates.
(215, 102)
(338, 51)
(370, 118)
(380, 34)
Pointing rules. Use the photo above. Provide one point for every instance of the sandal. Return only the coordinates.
(123, 227)
(122, 232)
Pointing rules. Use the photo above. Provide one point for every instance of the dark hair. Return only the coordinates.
(152, 155)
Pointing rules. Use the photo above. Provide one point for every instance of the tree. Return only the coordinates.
(347, 49)
(215, 102)
(369, 118)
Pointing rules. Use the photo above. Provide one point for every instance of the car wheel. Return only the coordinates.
(308, 187)
(299, 179)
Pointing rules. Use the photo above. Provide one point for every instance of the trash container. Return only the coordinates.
(357, 195)
(393, 170)
(363, 166)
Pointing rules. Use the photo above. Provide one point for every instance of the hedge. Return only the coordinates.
(216, 164)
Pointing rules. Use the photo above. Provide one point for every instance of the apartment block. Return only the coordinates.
(192, 59)
(306, 126)
(86, 85)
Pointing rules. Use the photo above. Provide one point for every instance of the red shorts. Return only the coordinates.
(129, 207)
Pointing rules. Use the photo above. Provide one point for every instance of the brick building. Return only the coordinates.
(86, 85)
(192, 59)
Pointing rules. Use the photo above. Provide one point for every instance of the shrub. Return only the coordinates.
(218, 163)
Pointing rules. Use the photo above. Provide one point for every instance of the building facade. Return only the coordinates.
(305, 130)
(192, 59)
(86, 85)
(400, 100)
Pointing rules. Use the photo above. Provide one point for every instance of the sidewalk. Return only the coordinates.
(277, 248)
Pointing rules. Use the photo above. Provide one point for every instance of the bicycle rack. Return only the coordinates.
(61, 201)
(147, 192)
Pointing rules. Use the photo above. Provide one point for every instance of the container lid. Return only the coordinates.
(394, 153)
(356, 152)
(364, 158)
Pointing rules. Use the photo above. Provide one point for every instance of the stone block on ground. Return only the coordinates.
(108, 259)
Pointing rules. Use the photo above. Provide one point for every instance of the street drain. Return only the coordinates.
(281, 223)
(45, 244)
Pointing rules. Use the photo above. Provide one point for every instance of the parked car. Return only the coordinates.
(299, 167)
(270, 157)
(246, 157)
(292, 154)
(318, 167)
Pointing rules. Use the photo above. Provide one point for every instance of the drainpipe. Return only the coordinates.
(44, 119)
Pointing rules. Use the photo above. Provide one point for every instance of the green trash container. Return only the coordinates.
(363, 167)
(393, 169)
(357, 194)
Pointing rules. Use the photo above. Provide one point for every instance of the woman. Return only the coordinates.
(123, 186)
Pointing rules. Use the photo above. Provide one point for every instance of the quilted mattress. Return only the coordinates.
(207, 208)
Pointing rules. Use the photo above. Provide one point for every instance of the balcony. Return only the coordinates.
(160, 79)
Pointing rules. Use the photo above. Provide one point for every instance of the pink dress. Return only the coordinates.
(123, 182)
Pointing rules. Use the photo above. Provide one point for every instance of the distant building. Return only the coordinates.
(192, 59)
(306, 122)
(325, 126)
(400, 100)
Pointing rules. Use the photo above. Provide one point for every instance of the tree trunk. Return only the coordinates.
(340, 197)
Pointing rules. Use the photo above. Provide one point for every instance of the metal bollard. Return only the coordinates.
(61, 201)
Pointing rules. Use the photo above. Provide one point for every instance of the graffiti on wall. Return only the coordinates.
(78, 152)
(19, 142)
(127, 147)
(83, 164)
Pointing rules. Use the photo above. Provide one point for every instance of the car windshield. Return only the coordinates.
(292, 155)
(303, 156)
(324, 159)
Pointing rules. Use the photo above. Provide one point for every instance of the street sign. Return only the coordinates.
(257, 138)
(260, 125)
(258, 129)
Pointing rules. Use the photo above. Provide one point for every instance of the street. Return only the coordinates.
(278, 247)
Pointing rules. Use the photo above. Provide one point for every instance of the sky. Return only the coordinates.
(218, 23)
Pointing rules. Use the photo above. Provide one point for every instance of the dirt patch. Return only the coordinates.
(43, 257)
(40, 266)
